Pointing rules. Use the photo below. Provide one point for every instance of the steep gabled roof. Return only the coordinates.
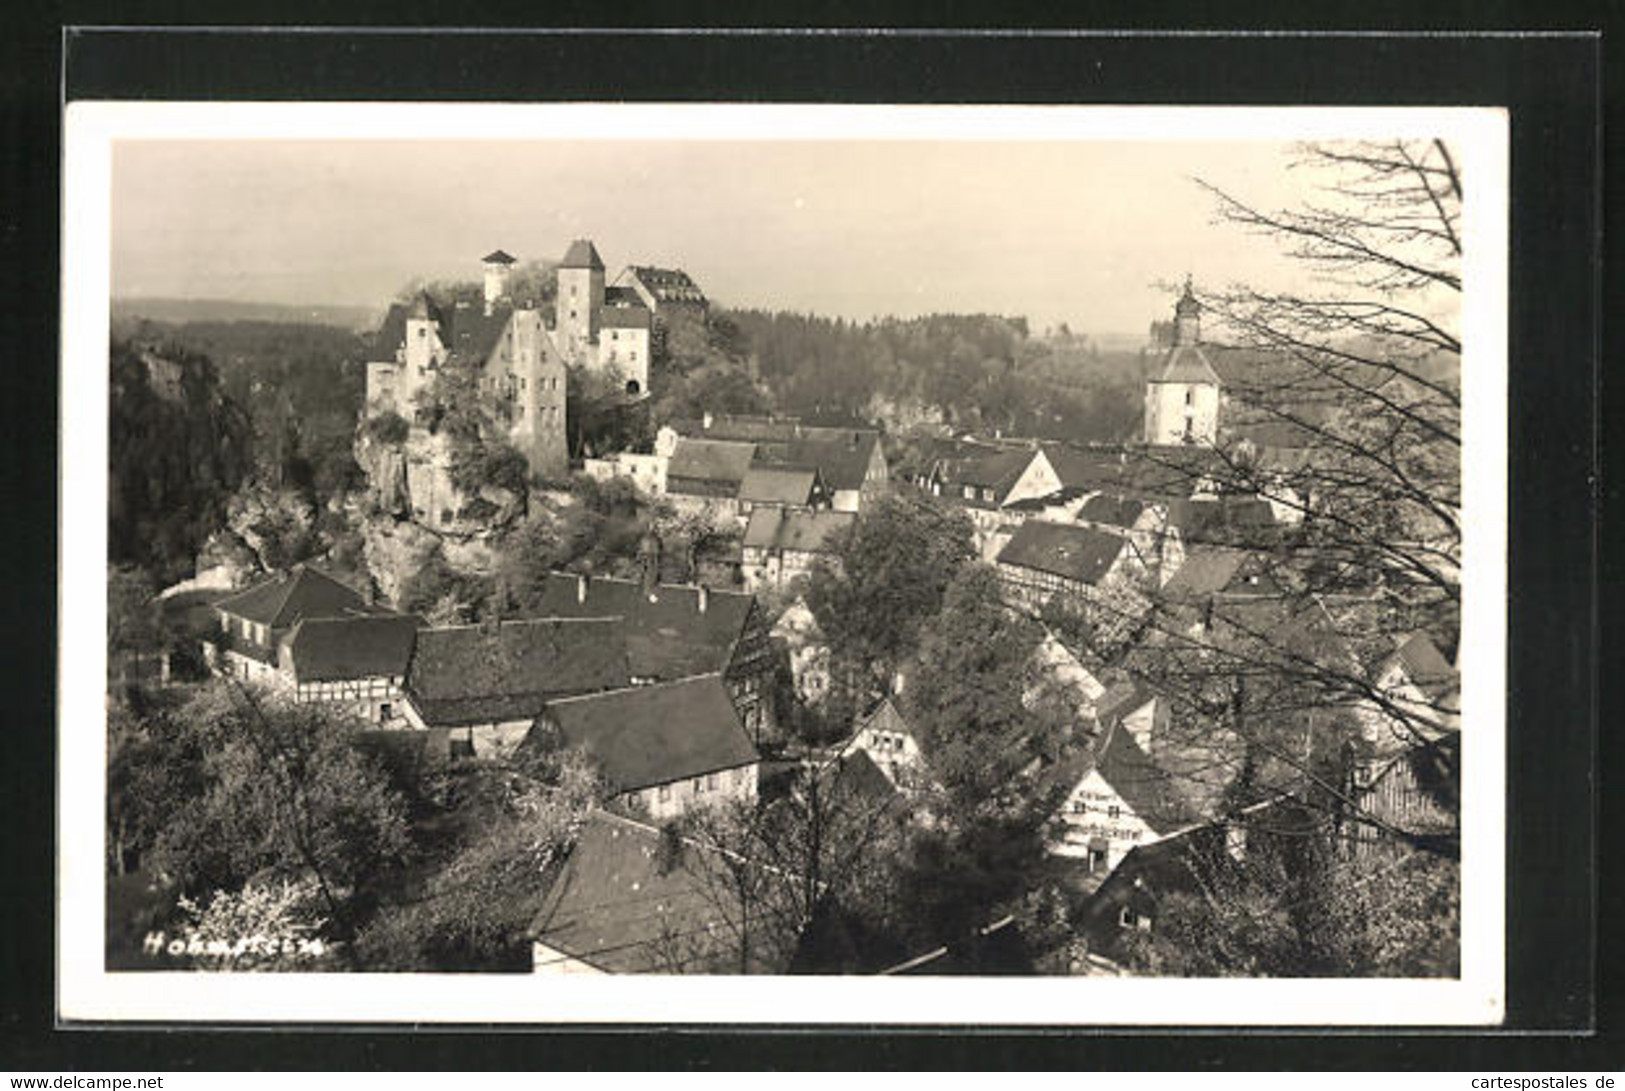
(1178, 787)
(840, 455)
(1206, 570)
(624, 317)
(648, 735)
(470, 334)
(800, 531)
(582, 255)
(778, 485)
(667, 635)
(1117, 511)
(622, 906)
(1425, 665)
(478, 674)
(1231, 520)
(886, 717)
(720, 461)
(302, 592)
(1080, 554)
(344, 649)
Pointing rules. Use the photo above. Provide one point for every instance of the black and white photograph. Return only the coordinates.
(1047, 564)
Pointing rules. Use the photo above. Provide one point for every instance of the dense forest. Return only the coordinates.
(972, 372)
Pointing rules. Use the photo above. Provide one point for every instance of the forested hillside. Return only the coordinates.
(179, 446)
(972, 372)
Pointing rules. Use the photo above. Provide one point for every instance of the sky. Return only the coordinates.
(1081, 232)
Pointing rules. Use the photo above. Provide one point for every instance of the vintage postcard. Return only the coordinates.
(783, 564)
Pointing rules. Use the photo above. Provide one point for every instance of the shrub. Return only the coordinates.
(388, 427)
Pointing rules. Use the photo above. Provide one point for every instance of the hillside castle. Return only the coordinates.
(522, 354)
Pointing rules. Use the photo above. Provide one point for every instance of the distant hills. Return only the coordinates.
(162, 309)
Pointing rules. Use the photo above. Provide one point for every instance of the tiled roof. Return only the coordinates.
(474, 674)
(1181, 786)
(648, 735)
(619, 296)
(842, 457)
(1426, 665)
(1223, 521)
(471, 334)
(1206, 570)
(1146, 473)
(777, 485)
(886, 717)
(499, 257)
(342, 649)
(721, 461)
(1117, 511)
(302, 592)
(799, 531)
(667, 636)
(582, 255)
(619, 906)
(1081, 554)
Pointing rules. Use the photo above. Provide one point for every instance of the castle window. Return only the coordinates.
(1189, 395)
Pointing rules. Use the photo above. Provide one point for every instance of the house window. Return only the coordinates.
(1079, 807)
(386, 711)
(633, 800)
(700, 785)
(1189, 395)
(970, 492)
(1126, 917)
(663, 793)
(1114, 811)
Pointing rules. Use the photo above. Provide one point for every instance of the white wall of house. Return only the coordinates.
(550, 961)
(663, 801)
(1038, 479)
(895, 752)
(1093, 811)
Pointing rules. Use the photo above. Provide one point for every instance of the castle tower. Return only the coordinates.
(1182, 397)
(423, 351)
(498, 264)
(540, 384)
(580, 303)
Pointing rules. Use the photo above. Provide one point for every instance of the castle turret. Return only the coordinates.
(498, 264)
(1187, 317)
(580, 301)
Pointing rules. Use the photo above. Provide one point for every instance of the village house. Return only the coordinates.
(998, 491)
(646, 471)
(1139, 785)
(782, 487)
(781, 544)
(850, 460)
(664, 749)
(704, 475)
(482, 686)
(631, 899)
(1063, 682)
(674, 631)
(798, 633)
(256, 622)
(886, 737)
(357, 663)
(1078, 565)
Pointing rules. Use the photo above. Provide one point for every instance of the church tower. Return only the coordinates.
(580, 302)
(1182, 396)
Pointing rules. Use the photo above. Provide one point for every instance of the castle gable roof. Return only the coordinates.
(649, 735)
(624, 317)
(499, 257)
(390, 336)
(582, 255)
(668, 285)
(478, 674)
(470, 334)
(1079, 554)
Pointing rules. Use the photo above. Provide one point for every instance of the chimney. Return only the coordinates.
(702, 597)
(581, 587)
